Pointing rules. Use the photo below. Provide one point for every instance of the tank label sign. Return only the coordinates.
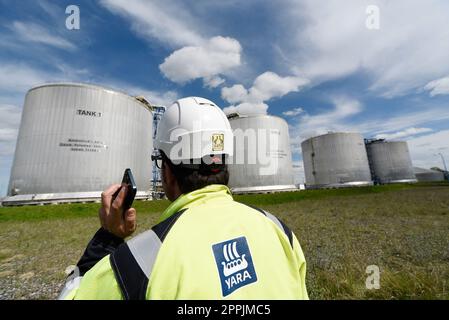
(235, 264)
(83, 145)
(281, 154)
(88, 113)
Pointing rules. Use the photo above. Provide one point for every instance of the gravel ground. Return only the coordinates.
(15, 284)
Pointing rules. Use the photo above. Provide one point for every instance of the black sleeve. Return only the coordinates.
(102, 244)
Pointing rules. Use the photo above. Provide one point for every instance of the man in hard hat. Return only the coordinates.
(205, 245)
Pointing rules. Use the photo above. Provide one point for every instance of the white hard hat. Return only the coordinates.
(193, 128)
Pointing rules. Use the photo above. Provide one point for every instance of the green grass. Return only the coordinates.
(68, 211)
(403, 229)
(278, 198)
(77, 210)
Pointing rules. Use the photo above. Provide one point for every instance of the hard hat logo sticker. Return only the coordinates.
(235, 264)
(218, 142)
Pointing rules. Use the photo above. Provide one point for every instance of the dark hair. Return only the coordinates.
(194, 178)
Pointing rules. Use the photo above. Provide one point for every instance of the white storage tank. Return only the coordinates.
(390, 162)
(76, 139)
(428, 175)
(262, 160)
(336, 160)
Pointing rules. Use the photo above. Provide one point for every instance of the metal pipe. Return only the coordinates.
(444, 161)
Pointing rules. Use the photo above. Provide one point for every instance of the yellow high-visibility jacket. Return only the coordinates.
(206, 246)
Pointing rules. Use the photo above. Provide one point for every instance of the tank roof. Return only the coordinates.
(422, 170)
(332, 133)
(379, 141)
(235, 116)
(91, 86)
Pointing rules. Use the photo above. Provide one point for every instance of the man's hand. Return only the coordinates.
(111, 213)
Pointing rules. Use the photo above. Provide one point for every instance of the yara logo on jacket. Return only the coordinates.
(235, 264)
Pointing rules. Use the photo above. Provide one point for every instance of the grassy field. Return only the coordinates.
(403, 229)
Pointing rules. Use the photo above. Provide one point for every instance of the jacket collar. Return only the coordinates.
(197, 197)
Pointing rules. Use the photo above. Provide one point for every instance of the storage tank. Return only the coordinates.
(76, 139)
(336, 160)
(262, 158)
(426, 175)
(390, 161)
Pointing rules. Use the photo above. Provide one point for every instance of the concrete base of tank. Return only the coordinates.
(341, 185)
(430, 177)
(399, 181)
(59, 198)
(264, 189)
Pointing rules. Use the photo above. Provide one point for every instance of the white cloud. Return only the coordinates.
(298, 170)
(269, 85)
(215, 56)
(31, 32)
(330, 41)
(169, 22)
(162, 98)
(247, 108)
(9, 128)
(175, 24)
(333, 120)
(15, 81)
(403, 134)
(236, 93)
(266, 86)
(341, 119)
(50, 8)
(17, 78)
(21, 77)
(7, 135)
(9, 123)
(438, 87)
(154, 97)
(424, 149)
(403, 121)
(293, 113)
(322, 42)
(213, 81)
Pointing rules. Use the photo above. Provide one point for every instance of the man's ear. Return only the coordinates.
(170, 178)
(172, 190)
(168, 175)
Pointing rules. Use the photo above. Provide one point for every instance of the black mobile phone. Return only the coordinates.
(130, 184)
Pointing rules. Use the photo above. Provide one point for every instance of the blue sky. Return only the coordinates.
(314, 63)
